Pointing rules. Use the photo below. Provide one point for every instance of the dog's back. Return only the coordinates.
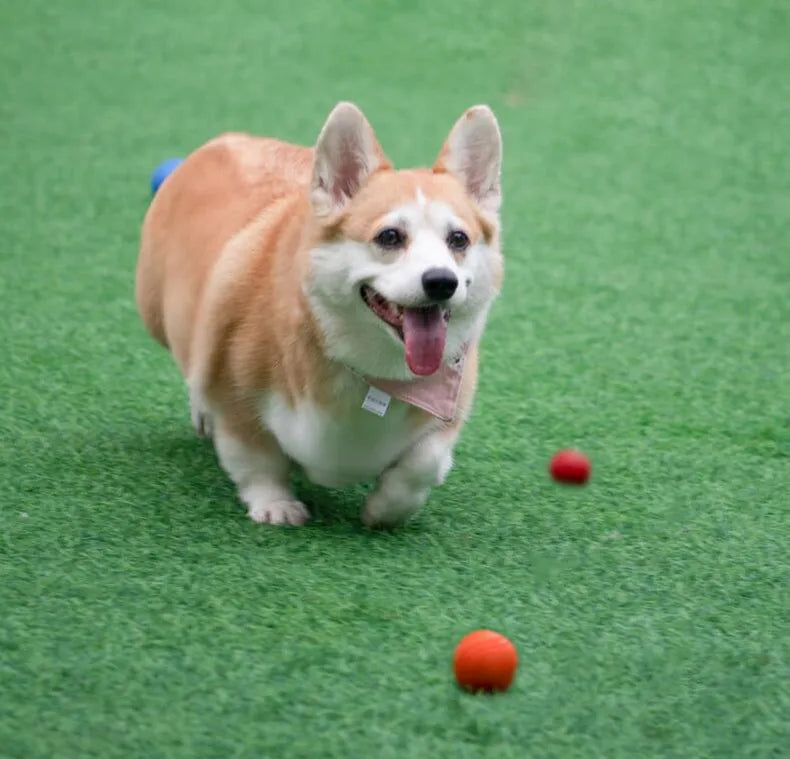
(208, 199)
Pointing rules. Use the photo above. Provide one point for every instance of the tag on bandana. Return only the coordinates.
(437, 394)
(376, 401)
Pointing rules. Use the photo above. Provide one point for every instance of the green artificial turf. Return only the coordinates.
(645, 318)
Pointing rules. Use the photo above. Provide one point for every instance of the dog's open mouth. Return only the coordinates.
(386, 310)
(423, 329)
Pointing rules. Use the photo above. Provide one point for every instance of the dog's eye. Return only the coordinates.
(390, 238)
(457, 240)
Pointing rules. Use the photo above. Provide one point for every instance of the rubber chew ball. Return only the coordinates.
(485, 661)
(163, 171)
(571, 467)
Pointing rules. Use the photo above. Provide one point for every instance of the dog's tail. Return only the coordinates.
(163, 171)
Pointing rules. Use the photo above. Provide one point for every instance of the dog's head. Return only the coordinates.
(408, 262)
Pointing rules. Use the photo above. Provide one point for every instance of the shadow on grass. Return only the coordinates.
(167, 468)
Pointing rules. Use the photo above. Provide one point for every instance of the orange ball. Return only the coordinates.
(485, 660)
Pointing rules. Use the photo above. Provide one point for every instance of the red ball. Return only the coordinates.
(485, 661)
(569, 466)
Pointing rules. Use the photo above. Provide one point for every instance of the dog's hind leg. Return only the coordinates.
(202, 418)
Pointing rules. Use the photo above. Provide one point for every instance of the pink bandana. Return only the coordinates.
(437, 394)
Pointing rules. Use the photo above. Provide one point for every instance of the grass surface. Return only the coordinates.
(645, 319)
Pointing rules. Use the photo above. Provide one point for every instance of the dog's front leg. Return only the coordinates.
(404, 487)
(257, 465)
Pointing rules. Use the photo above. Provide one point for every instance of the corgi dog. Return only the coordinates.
(325, 309)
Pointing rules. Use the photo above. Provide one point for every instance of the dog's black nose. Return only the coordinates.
(439, 284)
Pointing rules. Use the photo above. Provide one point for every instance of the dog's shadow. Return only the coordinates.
(157, 469)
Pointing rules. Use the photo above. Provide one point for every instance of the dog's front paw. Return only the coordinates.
(383, 512)
(279, 512)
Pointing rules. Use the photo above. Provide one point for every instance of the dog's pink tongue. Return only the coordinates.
(424, 332)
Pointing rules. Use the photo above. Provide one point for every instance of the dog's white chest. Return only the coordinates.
(333, 450)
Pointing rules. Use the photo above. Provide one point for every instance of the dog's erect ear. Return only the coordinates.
(473, 153)
(346, 154)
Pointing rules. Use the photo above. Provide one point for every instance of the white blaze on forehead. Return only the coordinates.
(441, 217)
(431, 214)
(409, 216)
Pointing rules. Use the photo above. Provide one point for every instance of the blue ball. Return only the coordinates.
(163, 171)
